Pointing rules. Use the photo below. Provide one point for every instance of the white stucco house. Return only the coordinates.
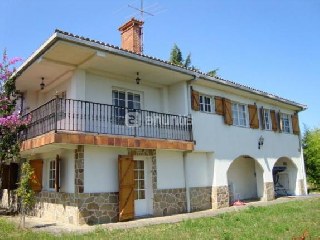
(116, 134)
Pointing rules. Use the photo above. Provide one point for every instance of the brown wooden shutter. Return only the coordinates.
(280, 125)
(227, 112)
(274, 120)
(195, 100)
(126, 187)
(36, 179)
(218, 105)
(5, 173)
(14, 176)
(57, 176)
(253, 116)
(295, 124)
(263, 124)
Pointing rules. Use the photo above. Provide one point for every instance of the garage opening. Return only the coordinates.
(284, 177)
(245, 179)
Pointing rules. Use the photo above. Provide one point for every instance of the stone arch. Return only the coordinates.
(285, 173)
(245, 179)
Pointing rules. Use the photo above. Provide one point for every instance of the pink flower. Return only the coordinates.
(15, 60)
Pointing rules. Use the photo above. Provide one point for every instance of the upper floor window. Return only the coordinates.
(285, 121)
(206, 104)
(267, 119)
(124, 102)
(239, 114)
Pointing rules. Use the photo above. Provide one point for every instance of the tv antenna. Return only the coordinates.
(142, 11)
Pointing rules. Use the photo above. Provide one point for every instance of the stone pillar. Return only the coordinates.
(220, 197)
(268, 194)
(79, 169)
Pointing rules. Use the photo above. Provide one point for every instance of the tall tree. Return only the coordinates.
(311, 148)
(176, 57)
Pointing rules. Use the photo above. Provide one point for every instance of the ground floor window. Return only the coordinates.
(52, 174)
(139, 184)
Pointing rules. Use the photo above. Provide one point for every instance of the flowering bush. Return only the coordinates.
(11, 122)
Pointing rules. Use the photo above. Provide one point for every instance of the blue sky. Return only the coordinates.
(270, 45)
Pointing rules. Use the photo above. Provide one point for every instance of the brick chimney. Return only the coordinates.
(131, 35)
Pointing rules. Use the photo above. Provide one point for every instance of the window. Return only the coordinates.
(285, 120)
(239, 114)
(139, 187)
(124, 101)
(267, 120)
(206, 104)
(52, 174)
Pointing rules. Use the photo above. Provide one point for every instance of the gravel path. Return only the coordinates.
(40, 224)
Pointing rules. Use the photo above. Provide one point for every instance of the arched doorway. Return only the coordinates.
(284, 177)
(245, 179)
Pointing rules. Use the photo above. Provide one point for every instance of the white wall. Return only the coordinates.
(99, 89)
(178, 98)
(101, 169)
(170, 173)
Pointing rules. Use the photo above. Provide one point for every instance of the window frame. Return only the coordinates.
(267, 116)
(286, 128)
(203, 105)
(51, 175)
(236, 118)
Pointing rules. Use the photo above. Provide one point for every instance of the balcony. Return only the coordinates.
(89, 118)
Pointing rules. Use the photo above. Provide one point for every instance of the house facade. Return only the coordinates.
(116, 134)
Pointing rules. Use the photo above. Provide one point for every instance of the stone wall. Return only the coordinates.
(220, 197)
(268, 191)
(169, 201)
(200, 198)
(82, 208)
(62, 207)
(79, 169)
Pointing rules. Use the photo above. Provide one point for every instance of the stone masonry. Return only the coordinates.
(200, 198)
(79, 169)
(268, 191)
(169, 201)
(97, 208)
(220, 197)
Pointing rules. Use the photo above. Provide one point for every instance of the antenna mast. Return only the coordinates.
(142, 11)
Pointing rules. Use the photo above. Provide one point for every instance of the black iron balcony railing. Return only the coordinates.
(89, 117)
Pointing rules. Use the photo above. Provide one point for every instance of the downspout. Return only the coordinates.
(186, 181)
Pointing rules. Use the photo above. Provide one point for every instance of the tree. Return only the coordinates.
(11, 124)
(213, 73)
(176, 57)
(311, 148)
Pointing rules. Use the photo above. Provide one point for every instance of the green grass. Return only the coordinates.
(281, 221)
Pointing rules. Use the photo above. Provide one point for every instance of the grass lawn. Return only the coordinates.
(281, 221)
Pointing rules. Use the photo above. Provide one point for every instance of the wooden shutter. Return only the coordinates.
(57, 176)
(13, 176)
(280, 124)
(36, 179)
(195, 100)
(253, 116)
(263, 124)
(274, 120)
(227, 112)
(126, 187)
(295, 124)
(218, 105)
(5, 173)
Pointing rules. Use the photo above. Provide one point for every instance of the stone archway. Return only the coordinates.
(285, 173)
(245, 179)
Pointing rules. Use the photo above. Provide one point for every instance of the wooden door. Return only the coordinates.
(36, 181)
(126, 187)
